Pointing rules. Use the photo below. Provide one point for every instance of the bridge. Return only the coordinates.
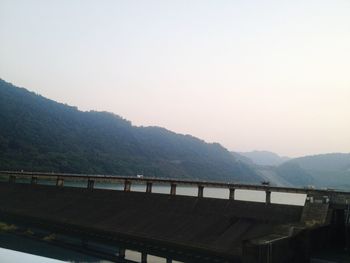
(190, 229)
(335, 197)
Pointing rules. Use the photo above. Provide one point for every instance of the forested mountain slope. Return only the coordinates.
(38, 134)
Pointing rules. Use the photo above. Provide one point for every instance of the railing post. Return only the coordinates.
(149, 187)
(12, 179)
(127, 186)
(34, 180)
(232, 194)
(143, 257)
(90, 184)
(173, 189)
(268, 197)
(59, 182)
(200, 190)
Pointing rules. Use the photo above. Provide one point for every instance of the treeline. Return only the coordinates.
(38, 134)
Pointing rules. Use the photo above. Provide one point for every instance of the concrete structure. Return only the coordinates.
(224, 230)
(207, 226)
(340, 198)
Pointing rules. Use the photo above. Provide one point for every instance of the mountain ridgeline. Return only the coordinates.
(38, 134)
(330, 170)
(325, 170)
(264, 157)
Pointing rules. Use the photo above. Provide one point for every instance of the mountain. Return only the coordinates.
(325, 162)
(243, 159)
(38, 134)
(294, 174)
(264, 157)
(322, 171)
(328, 170)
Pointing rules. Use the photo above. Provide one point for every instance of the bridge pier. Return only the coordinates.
(143, 257)
(90, 184)
(232, 193)
(173, 189)
(149, 187)
(200, 190)
(12, 179)
(268, 197)
(127, 186)
(34, 180)
(121, 253)
(60, 182)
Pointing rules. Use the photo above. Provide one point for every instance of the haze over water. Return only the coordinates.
(250, 75)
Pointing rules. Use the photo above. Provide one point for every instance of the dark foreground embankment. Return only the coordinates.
(216, 226)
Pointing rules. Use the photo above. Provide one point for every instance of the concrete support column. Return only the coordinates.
(309, 199)
(90, 184)
(268, 197)
(34, 180)
(149, 187)
(121, 253)
(173, 189)
(60, 182)
(127, 186)
(12, 179)
(232, 194)
(200, 190)
(143, 257)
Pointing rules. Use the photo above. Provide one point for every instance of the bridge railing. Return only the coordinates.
(127, 181)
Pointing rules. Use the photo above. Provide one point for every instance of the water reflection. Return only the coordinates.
(11, 256)
(16, 249)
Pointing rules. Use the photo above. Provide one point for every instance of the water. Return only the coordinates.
(15, 248)
(11, 256)
(210, 192)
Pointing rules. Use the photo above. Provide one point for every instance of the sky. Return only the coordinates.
(249, 74)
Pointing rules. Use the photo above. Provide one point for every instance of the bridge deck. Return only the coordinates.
(145, 180)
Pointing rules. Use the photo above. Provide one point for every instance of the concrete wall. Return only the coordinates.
(214, 225)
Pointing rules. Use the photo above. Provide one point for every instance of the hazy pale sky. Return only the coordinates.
(265, 75)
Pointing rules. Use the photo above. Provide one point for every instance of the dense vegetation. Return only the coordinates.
(38, 134)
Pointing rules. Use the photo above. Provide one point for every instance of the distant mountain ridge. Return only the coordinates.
(327, 170)
(324, 162)
(322, 171)
(38, 134)
(264, 157)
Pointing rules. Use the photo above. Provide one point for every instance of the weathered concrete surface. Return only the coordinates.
(214, 225)
(315, 213)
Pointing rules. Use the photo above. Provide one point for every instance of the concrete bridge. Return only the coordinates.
(190, 229)
(334, 197)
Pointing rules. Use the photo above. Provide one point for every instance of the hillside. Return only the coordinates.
(264, 157)
(325, 162)
(38, 134)
(322, 171)
(327, 170)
